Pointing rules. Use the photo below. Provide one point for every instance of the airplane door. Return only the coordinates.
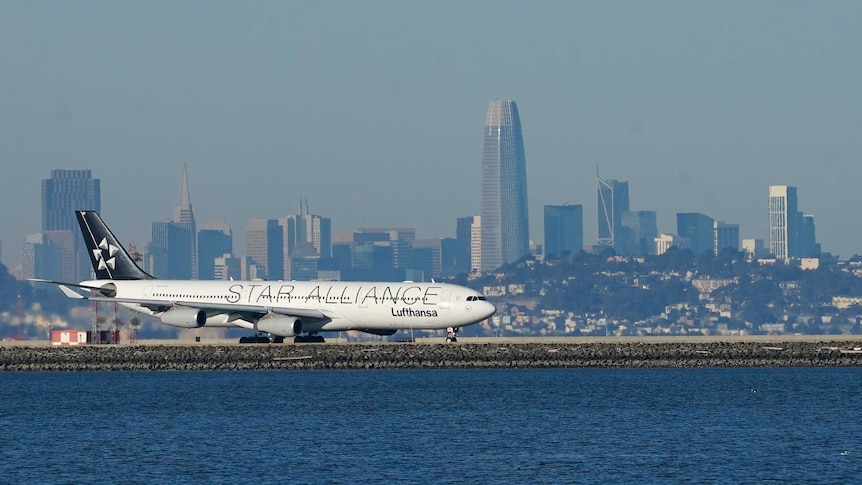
(446, 299)
(148, 290)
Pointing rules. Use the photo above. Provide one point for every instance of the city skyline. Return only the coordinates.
(297, 243)
(373, 111)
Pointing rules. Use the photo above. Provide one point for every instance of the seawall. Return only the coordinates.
(628, 354)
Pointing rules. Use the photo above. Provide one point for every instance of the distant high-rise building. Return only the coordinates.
(184, 217)
(463, 237)
(64, 193)
(808, 246)
(382, 253)
(754, 248)
(227, 267)
(215, 240)
(264, 245)
(791, 233)
(426, 258)
(698, 229)
(726, 237)
(41, 258)
(613, 201)
(505, 224)
(637, 233)
(476, 244)
(448, 251)
(342, 254)
(307, 237)
(666, 241)
(564, 229)
(304, 268)
(784, 222)
(167, 254)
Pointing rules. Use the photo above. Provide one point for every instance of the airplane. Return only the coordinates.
(299, 309)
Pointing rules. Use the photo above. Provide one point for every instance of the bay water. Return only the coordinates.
(750, 425)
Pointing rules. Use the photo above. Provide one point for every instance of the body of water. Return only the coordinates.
(788, 425)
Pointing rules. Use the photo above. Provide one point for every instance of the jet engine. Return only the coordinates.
(184, 317)
(280, 325)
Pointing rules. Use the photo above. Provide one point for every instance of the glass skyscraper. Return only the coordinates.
(564, 229)
(783, 222)
(613, 201)
(64, 193)
(699, 229)
(791, 233)
(505, 225)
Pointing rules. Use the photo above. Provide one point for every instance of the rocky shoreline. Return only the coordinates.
(430, 356)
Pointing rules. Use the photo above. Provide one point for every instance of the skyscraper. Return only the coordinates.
(184, 217)
(463, 239)
(66, 192)
(783, 221)
(726, 236)
(666, 241)
(168, 251)
(505, 224)
(637, 233)
(62, 194)
(264, 245)
(613, 200)
(172, 251)
(564, 229)
(215, 240)
(307, 240)
(808, 246)
(698, 229)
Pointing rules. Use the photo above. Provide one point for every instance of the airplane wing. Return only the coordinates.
(211, 307)
(70, 292)
(63, 284)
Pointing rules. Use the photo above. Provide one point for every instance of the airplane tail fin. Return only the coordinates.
(110, 261)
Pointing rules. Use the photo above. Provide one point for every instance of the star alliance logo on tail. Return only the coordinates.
(106, 261)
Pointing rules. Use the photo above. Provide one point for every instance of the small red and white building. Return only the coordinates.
(68, 337)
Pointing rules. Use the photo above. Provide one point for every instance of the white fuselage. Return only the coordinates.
(323, 306)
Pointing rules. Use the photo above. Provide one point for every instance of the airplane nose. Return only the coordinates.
(487, 309)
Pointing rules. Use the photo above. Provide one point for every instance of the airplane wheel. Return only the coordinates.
(309, 339)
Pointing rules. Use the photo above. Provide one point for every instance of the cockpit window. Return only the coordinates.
(476, 298)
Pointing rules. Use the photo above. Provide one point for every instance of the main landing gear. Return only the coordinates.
(311, 338)
(277, 339)
(261, 339)
(451, 334)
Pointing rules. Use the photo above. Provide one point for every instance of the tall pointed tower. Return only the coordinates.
(184, 216)
(505, 226)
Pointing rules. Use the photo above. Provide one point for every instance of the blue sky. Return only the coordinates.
(374, 110)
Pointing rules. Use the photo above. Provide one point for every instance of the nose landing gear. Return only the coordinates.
(451, 334)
